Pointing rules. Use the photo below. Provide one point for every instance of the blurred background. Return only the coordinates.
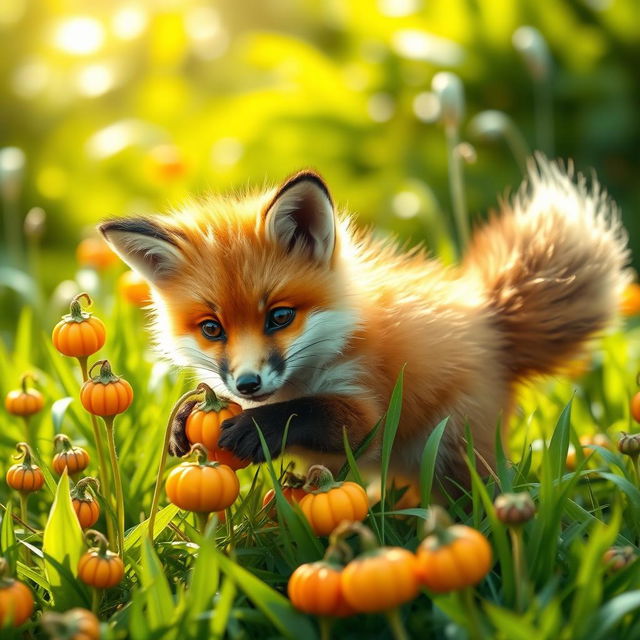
(113, 108)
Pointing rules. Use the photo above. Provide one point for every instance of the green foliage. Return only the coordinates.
(341, 89)
(232, 580)
(62, 546)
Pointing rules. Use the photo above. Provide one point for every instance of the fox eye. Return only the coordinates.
(212, 329)
(280, 317)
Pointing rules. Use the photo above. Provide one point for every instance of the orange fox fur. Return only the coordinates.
(538, 280)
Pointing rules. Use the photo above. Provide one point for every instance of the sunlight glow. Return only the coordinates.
(129, 22)
(398, 8)
(80, 35)
(421, 45)
(226, 152)
(112, 139)
(381, 107)
(206, 31)
(426, 106)
(406, 204)
(30, 78)
(95, 80)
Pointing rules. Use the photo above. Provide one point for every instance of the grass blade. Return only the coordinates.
(8, 542)
(392, 420)
(428, 462)
(62, 542)
(275, 607)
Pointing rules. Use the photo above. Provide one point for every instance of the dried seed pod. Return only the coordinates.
(617, 558)
(514, 509)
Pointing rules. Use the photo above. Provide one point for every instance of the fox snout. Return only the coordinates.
(248, 383)
(256, 380)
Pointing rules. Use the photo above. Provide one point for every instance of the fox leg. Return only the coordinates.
(316, 426)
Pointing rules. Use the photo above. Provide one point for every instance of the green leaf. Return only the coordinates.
(8, 542)
(511, 624)
(589, 581)
(610, 614)
(275, 607)
(137, 623)
(160, 607)
(559, 445)
(352, 456)
(62, 541)
(204, 578)
(222, 611)
(351, 463)
(296, 526)
(503, 549)
(392, 420)
(357, 476)
(20, 282)
(163, 518)
(27, 572)
(429, 461)
(58, 412)
(502, 465)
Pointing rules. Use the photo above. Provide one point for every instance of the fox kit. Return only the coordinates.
(290, 311)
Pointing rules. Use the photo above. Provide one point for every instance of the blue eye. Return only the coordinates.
(279, 318)
(212, 330)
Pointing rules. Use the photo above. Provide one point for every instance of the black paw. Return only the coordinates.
(178, 444)
(240, 435)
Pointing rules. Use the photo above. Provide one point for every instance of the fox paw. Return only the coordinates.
(240, 435)
(178, 443)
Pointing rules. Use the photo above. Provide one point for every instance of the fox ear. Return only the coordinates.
(144, 246)
(301, 216)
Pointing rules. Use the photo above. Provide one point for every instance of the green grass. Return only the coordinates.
(231, 582)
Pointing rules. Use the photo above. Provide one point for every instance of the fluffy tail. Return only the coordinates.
(552, 266)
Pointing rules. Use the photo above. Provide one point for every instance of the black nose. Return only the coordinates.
(248, 383)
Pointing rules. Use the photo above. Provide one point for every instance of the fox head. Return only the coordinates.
(250, 290)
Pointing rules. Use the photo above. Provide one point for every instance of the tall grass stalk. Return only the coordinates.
(117, 481)
(103, 473)
(450, 92)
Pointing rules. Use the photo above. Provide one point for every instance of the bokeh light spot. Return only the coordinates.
(30, 79)
(416, 44)
(406, 204)
(113, 139)
(95, 80)
(79, 35)
(426, 106)
(226, 152)
(129, 22)
(204, 27)
(381, 107)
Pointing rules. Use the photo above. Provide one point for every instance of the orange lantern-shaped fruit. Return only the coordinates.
(24, 401)
(84, 504)
(95, 253)
(25, 477)
(202, 486)
(106, 394)
(73, 459)
(100, 567)
(134, 288)
(203, 426)
(16, 599)
(79, 334)
(329, 503)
